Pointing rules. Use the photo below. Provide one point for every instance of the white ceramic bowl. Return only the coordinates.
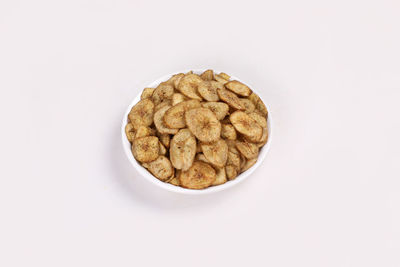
(127, 147)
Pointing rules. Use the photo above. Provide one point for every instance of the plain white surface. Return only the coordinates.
(127, 146)
(327, 195)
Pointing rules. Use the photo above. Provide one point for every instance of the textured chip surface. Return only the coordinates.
(159, 121)
(220, 109)
(174, 117)
(246, 125)
(200, 175)
(183, 149)
(216, 153)
(208, 90)
(238, 88)
(249, 150)
(203, 123)
(228, 131)
(188, 85)
(230, 98)
(161, 168)
(145, 149)
(142, 113)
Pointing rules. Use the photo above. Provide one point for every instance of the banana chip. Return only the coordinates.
(163, 92)
(183, 149)
(233, 160)
(163, 150)
(174, 117)
(142, 113)
(203, 123)
(143, 131)
(201, 157)
(246, 125)
(129, 131)
(208, 75)
(220, 78)
(145, 149)
(218, 108)
(178, 98)
(208, 90)
(231, 172)
(188, 85)
(224, 76)
(175, 79)
(238, 88)
(161, 168)
(162, 104)
(260, 106)
(230, 98)
(249, 107)
(216, 153)
(200, 175)
(249, 163)
(220, 177)
(262, 121)
(159, 122)
(228, 132)
(165, 139)
(248, 150)
(147, 93)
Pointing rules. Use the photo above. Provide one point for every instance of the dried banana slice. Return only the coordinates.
(161, 168)
(207, 75)
(246, 125)
(220, 177)
(163, 92)
(162, 104)
(159, 121)
(163, 150)
(200, 175)
(231, 172)
(177, 98)
(146, 149)
(248, 150)
(175, 79)
(218, 108)
(260, 106)
(201, 157)
(147, 93)
(216, 153)
(224, 76)
(233, 160)
(208, 90)
(129, 131)
(203, 123)
(228, 132)
(188, 85)
(142, 113)
(263, 123)
(238, 88)
(249, 163)
(230, 98)
(165, 139)
(220, 78)
(248, 105)
(183, 149)
(143, 131)
(174, 181)
(174, 117)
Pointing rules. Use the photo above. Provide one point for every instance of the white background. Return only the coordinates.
(328, 193)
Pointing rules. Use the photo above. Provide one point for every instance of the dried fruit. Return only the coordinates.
(207, 75)
(163, 92)
(162, 150)
(143, 131)
(260, 106)
(224, 76)
(129, 131)
(201, 157)
(231, 172)
(248, 105)
(177, 98)
(188, 85)
(183, 149)
(147, 93)
(216, 153)
(175, 79)
(220, 78)
(218, 108)
(262, 121)
(203, 123)
(208, 90)
(165, 139)
(174, 117)
(248, 150)
(200, 175)
(145, 149)
(220, 177)
(142, 113)
(249, 163)
(246, 125)
(238, 88)
(159, 122)
(161, 168)
(230, 98)
(228, 132)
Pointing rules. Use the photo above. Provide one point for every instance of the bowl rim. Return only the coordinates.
(177, 189)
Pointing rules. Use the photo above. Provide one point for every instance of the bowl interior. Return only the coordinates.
(127, 148)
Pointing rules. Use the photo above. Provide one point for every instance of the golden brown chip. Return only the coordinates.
(165, 139)
(218, 108)
(243, 161)
(147, 93)
(174, 117)
(224, 76)
(159, 122)
(203, 123)
(220, 177)
(264, 137)
(200, 175)
(230, 98)
(233, 160)
(262, 121)
(216, 153)
(248, 105)
(183, 149)
(260, 106)
(129, 131)
(163, 150)
(208, 75)
(163, 92)
(201, 157)
(188, 85)
(249, 150)
(208, 90)
(246, 125)
(174, 181)
(238, 88)
(161, 168)
(249, 163)
(142, 113)
(228, 132)
(232, 146)
(143, 131)
(177, 98)
(146, 149)
(220, 78)
(175, 79)
(162, 104)
(231, 172)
